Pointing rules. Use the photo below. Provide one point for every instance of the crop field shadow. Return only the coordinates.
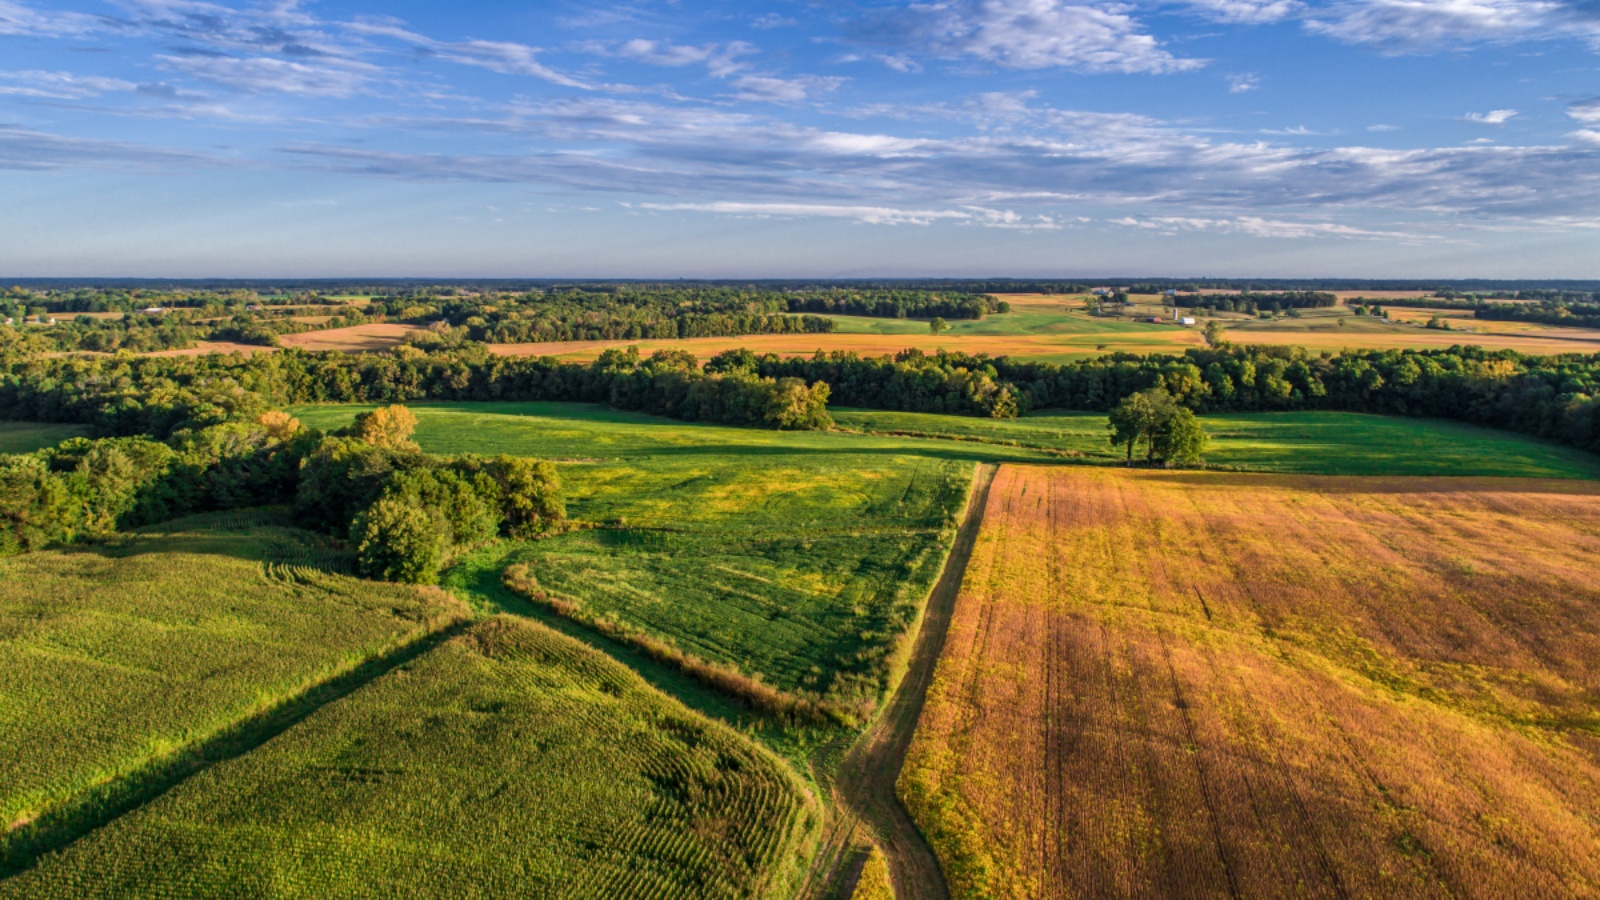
(59, 829)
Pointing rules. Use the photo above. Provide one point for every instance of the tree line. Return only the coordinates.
(160, 396)
(1253, 302)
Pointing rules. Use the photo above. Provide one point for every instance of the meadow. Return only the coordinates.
(118, 657)
(1210, 683)
(26, 437)
(800, 560)
(1307, 443)
(508, 761)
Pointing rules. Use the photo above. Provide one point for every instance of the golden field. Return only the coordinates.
(1217, 684)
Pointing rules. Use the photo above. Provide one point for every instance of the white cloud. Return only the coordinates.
(1407, 26)
(16, 19)
(59, 85)
(771, 89)
(1493, 117)
(1246, 12)
(263, 74)
(1382, 129)
(873, 215)
(1243, 84)
(721, 59)
(1025, 34)
(1587, 136)
(1257, 226)
(1586, 111)
(772, 20)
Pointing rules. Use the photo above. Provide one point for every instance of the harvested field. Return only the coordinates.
(1208, 684)
(355, 339)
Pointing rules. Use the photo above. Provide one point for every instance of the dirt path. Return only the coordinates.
(865, 785)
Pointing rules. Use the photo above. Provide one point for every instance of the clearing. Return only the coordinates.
(1205, 683)
(26, 437)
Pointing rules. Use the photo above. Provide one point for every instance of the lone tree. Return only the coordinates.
(1171, 432)
(1216, 335)
(389, 426)
(938, 326)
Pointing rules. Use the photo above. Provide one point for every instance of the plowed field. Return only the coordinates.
(1162, 684)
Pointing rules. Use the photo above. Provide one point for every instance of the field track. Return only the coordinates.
(866, 784)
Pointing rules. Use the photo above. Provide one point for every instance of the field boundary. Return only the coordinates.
(63, 826)
(865, 786)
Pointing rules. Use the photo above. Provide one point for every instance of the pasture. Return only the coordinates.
(1306, 443)
(26, 437)
(508, 761)
(117, 657)
(1200, 683)
(799, 559)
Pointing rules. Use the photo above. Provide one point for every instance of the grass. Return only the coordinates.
(26, 437)
(113, 658)
(1305, 443)
(797, 559)
(509, 761)
(1261, 685)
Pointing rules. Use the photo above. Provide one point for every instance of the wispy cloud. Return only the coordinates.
(1493, 117)
(1411, 26)
(1243, 84)
(59, 85)
(1247, 12)
(36, 151)
(16, 19)
(1256, 226)
(1024, 34)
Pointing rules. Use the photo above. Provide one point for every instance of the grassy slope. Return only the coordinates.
(26, 437)
(799, 557)
(1260, 685)
(113, 657)
(507, 762)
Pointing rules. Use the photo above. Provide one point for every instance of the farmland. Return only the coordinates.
(1057, 329)
(509, 761)
(1217, 683)
(1307, 443)
(118, 657)
(26, 437)
(798, 559)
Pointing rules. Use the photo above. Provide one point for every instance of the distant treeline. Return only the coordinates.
(1253, 302)
(898, 304)
(159, 396)
(1573, 315)
(1552, 397)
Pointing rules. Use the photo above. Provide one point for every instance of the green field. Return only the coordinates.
(26, 437)
(116, 657)
(507, 762)
(1301, 443)
(798, 558)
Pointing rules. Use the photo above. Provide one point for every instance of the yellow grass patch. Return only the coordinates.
(356, 338)
(1161, 684)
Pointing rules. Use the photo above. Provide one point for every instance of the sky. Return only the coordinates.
(800, 138)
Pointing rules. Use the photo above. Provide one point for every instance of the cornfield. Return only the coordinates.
(507, 762)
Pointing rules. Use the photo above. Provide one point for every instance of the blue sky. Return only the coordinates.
(713, 138)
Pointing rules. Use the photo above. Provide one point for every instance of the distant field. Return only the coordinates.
(799, 557)
(26, 437)
(114, 657)
(1254, 685)
(507, 762)
(1320, 443)
(1057, 329)
(354, 339)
